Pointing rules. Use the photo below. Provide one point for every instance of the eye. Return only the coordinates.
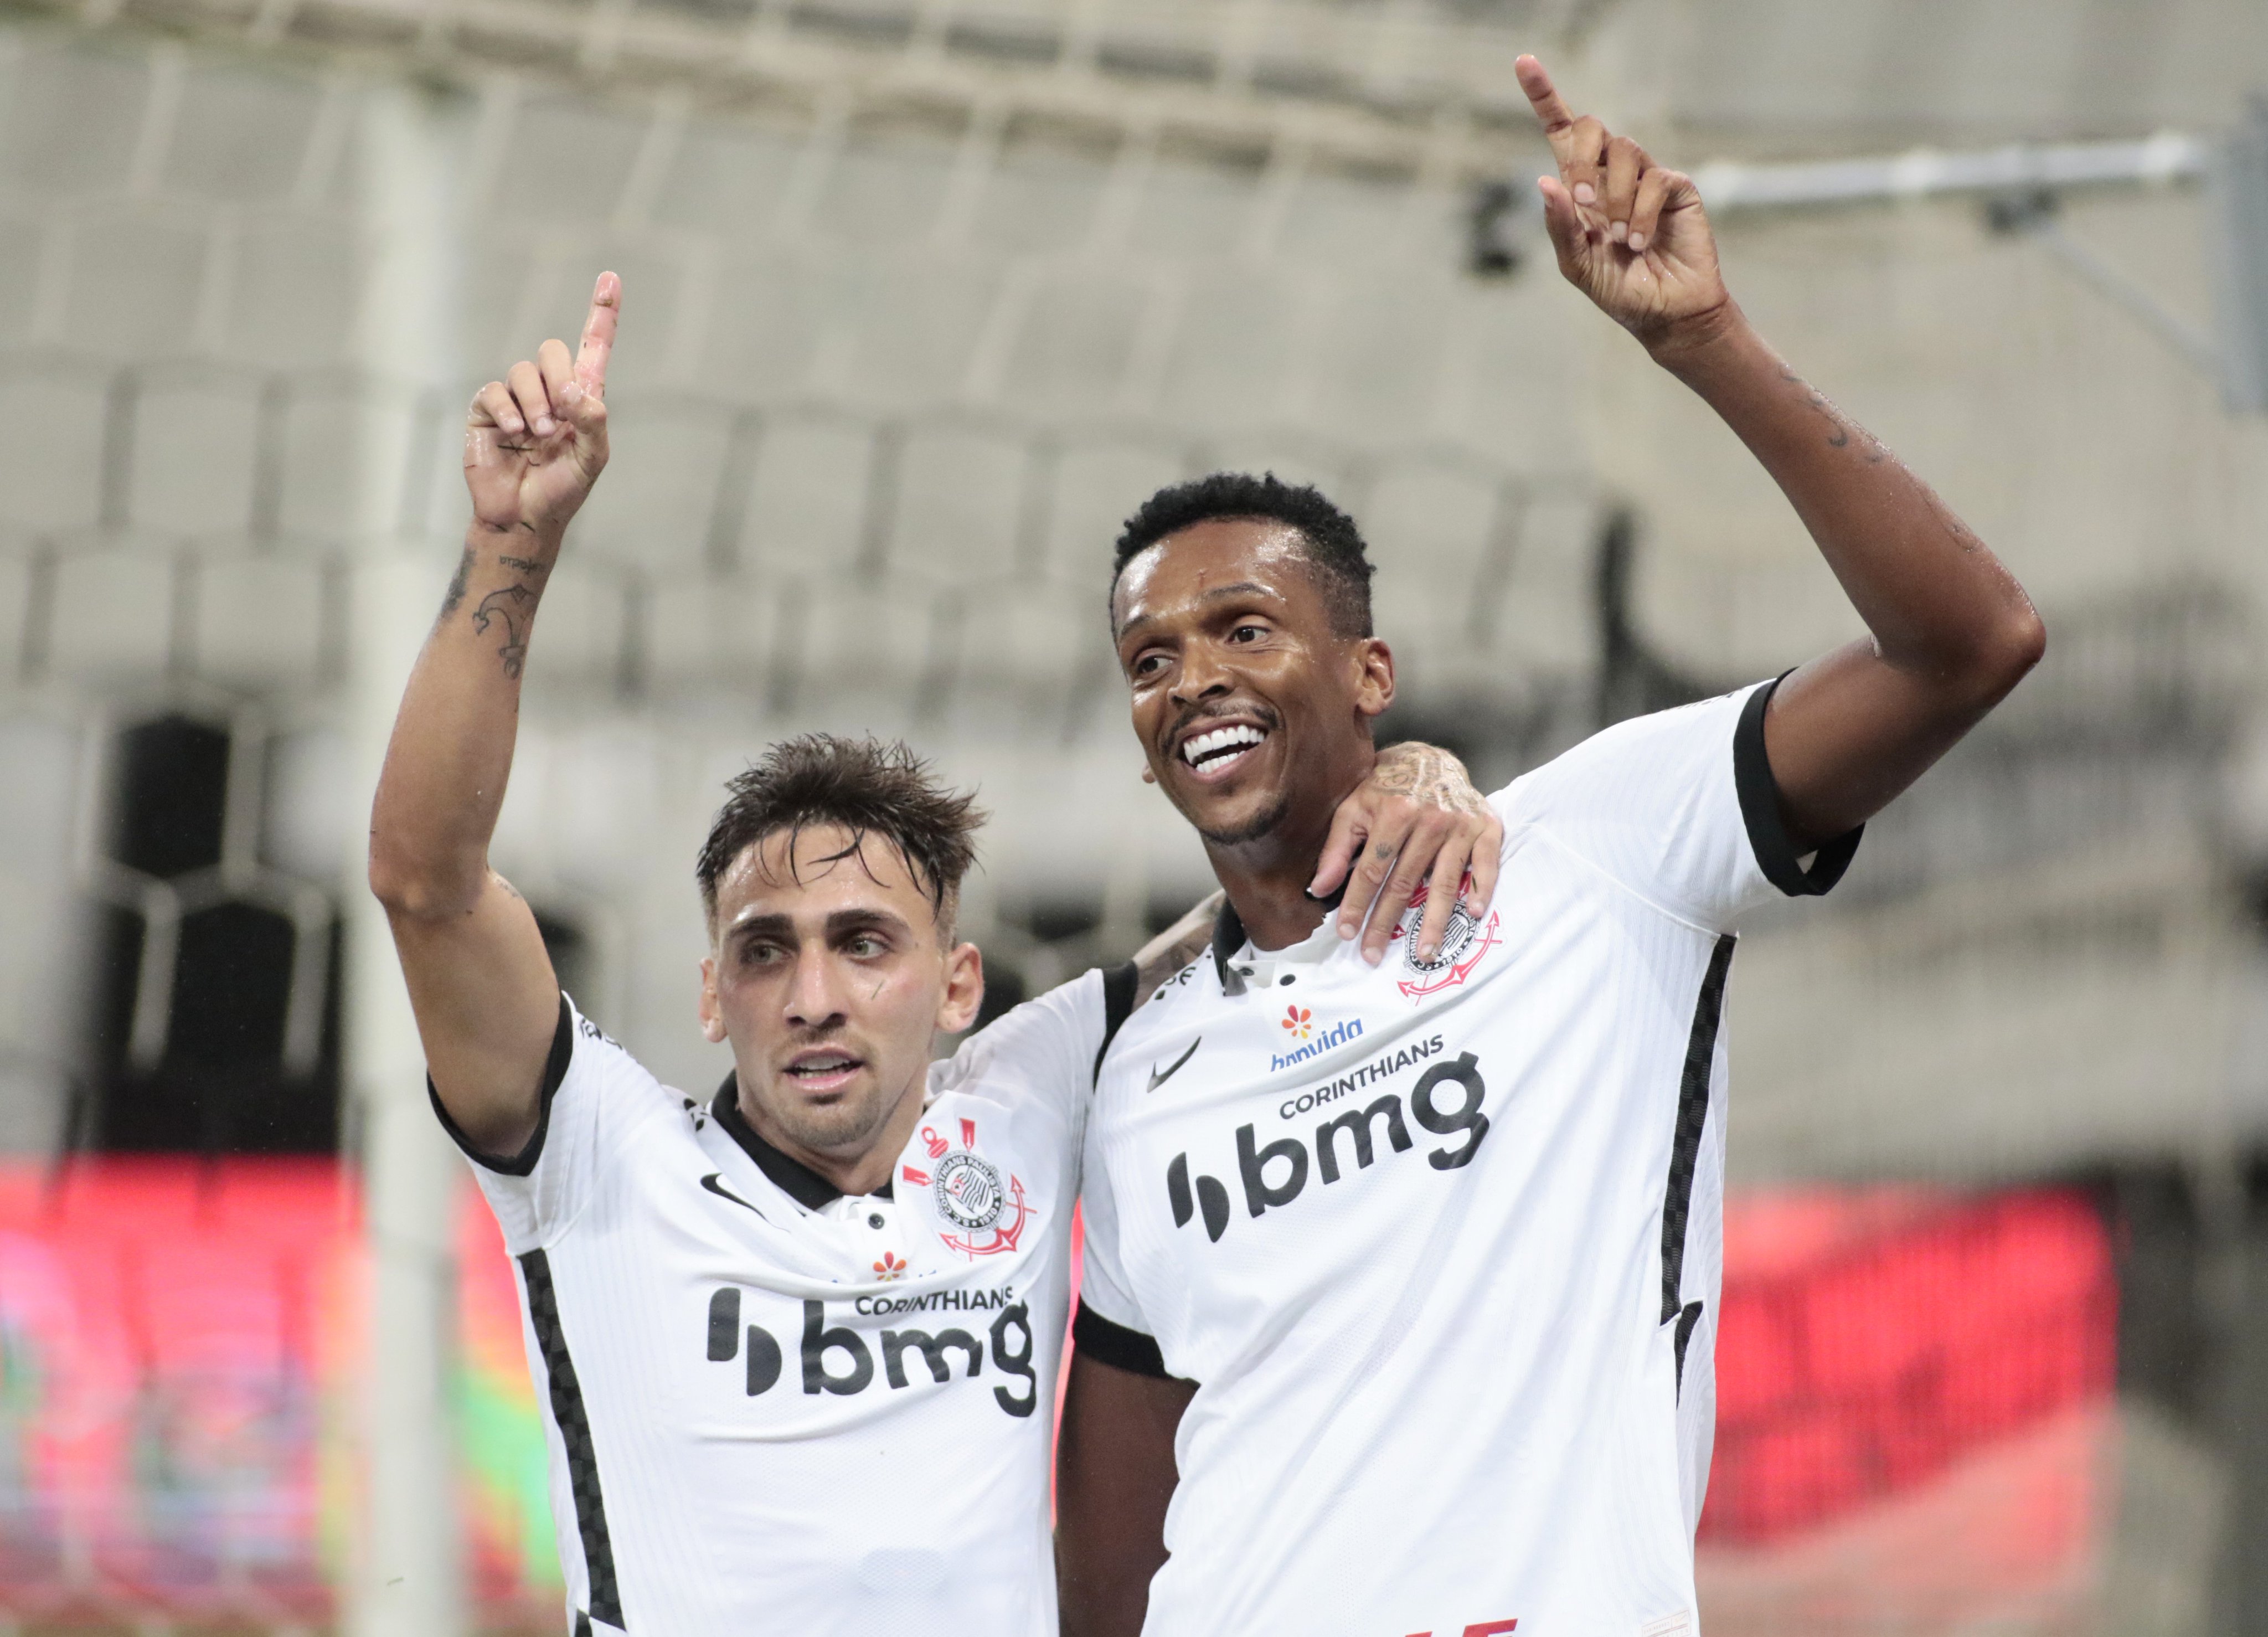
(1248, 633)
(865, 947)
(1149, 664)
(761, 955)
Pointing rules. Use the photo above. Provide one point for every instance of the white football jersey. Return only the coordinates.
(1441, 1242)
(772, 1408)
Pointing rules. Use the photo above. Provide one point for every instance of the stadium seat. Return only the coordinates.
(804, 506)
(113, 620)
(291, 302)
(715, 638)
(134, 284)
(52, 425)
(196, 440)
(259, 622)
(958, 507)
(654, 512)
(1096, 486)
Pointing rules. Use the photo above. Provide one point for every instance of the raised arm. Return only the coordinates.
(486, 998)
(1950, 631)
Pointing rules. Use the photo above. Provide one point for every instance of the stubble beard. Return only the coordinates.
(1253, 830)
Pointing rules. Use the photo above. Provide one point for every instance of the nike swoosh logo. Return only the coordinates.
(715, 1185)
(1159, 1077)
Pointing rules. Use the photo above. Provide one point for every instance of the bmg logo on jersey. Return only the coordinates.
(835, 1358)
(1273, 1174)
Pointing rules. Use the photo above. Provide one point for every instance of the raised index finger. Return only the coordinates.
(1542, 96)
(598, 334)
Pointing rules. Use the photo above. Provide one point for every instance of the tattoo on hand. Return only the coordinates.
(525, 565)
(455, 595)
(513, 605)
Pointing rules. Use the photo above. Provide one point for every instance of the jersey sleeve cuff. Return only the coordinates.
(1759, 793)
(555, 1074)
(1115, 1345)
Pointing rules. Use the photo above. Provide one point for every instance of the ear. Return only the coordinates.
(712, 1013)
(1373, 689)
(964, 988)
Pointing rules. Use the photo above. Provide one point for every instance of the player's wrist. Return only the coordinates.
(1701, 341)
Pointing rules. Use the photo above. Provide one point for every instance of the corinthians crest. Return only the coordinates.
(1462, 946)
(971, 1194)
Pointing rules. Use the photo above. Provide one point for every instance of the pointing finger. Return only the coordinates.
(1542, 96)
(599, 335)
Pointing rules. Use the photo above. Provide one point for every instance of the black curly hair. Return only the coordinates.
(860, 785)
(1335, 547)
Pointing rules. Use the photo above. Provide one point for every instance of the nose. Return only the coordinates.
(814, 994)
(1200, 675)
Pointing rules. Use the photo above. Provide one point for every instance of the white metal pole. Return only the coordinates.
(407, 1578)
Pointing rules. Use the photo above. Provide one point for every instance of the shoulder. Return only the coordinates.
(1042, 1040)
(1659, 749)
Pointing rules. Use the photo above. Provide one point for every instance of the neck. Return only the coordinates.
(863, 1172)
(1267, 877)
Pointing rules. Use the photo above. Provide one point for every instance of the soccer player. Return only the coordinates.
(1408, 1273)
(796, 1342)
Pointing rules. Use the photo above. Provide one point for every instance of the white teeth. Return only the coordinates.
(1196, 748)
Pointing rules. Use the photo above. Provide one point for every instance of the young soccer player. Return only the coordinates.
(796, 1341)
(1407, 1274)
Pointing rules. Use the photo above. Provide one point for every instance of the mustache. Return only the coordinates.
(1265, 715)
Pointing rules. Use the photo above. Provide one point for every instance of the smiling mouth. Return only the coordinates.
(1213, 752)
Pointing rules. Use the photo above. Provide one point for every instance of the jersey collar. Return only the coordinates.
(791, 1176)
(1228, 937)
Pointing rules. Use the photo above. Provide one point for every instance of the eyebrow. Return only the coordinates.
(840, 924)
(1218, 594)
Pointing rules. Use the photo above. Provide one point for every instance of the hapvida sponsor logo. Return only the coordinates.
(1302, 1025)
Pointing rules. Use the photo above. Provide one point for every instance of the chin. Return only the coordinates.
(1249, 818)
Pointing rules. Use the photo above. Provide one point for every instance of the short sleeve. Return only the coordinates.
(593, 1093)
(1048, 1046)
(1681, 807)
(1110, 1324)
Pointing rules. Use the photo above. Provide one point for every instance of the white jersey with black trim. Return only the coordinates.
(772, 1408)
(1441, 1244)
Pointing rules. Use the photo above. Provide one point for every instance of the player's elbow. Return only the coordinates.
(412, 890)
(2018, 642)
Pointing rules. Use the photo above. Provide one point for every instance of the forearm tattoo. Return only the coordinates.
(455, 595)
(513, 607)
(1841, 431)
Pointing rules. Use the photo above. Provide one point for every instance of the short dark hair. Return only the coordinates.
(1334, 545)
(862, 786)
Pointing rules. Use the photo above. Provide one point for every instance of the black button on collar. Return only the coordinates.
(877, 1219)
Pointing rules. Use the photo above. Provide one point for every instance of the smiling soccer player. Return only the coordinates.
(1400, 1284)
(796, 1341)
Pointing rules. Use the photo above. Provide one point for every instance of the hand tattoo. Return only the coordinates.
(513, 605)
(525, 565)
